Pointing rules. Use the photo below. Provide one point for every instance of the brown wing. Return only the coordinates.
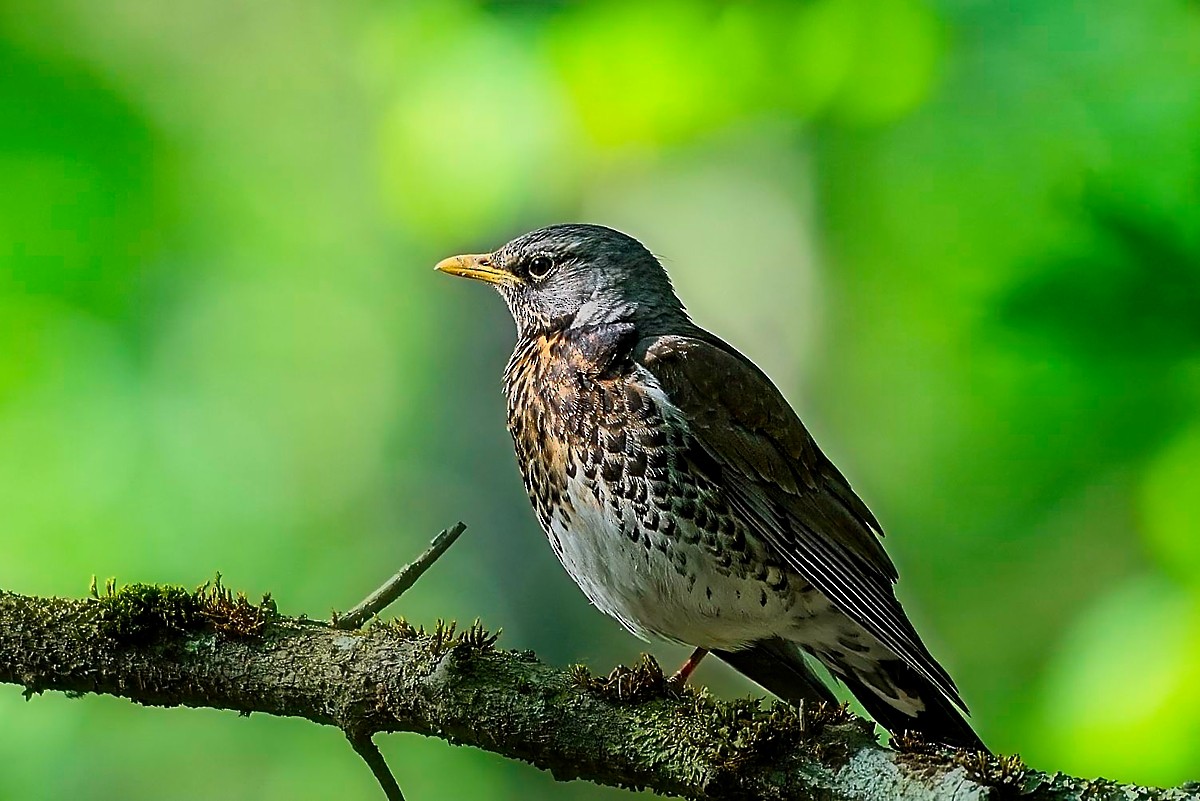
(780, 482)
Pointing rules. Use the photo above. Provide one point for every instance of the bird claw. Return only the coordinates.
(679, 678)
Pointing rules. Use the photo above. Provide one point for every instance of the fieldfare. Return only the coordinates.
(685, 497)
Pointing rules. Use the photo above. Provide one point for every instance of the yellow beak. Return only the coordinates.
(477, 266)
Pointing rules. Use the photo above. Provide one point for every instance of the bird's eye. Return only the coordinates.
(540, 267)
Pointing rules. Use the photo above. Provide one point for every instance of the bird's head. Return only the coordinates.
(575, 274)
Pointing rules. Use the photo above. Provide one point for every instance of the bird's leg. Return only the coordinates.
(681, 676)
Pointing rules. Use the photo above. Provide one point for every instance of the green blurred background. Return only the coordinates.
(963, 237)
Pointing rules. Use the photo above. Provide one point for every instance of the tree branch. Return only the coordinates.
(372, 605)
(365, 747)
(396, 586)
(168, 647)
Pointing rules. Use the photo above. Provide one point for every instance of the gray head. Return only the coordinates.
(576, 274)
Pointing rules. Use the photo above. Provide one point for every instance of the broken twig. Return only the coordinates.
(394, 587)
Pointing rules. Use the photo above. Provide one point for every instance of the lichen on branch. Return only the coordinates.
(209, 647)
(148, 611)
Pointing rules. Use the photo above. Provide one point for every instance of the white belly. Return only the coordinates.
(670, 587)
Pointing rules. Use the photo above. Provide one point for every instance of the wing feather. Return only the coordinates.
(780, 483)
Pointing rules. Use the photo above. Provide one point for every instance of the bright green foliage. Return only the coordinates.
(963, 237)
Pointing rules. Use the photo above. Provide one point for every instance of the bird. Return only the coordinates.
(683, 494)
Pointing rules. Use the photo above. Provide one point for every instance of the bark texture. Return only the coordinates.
(168, 647)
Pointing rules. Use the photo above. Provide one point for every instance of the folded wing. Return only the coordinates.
(779, 482)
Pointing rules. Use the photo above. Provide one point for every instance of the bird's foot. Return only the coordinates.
(680, 677)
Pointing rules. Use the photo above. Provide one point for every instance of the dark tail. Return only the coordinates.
(939, 721)
(779, 666)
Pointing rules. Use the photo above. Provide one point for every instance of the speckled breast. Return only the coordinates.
(620, 491)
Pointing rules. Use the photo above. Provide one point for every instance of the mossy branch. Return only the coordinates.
(165, 646)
